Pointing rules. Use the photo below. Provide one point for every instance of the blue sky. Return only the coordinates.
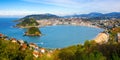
(17, 8)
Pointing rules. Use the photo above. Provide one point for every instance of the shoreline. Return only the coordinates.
(101, 38)
(88, 25)
(92, 26)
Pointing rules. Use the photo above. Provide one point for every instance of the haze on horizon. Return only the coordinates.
(18, 8)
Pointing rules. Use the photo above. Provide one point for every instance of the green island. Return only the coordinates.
(33, 31)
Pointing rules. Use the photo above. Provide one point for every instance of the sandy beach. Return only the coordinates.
(101, 38)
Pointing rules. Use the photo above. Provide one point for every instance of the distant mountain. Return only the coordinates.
(113, 15)
(91, 16)
(41, 16)
(96, 15)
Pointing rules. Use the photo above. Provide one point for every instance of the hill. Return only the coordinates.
(27, 22)
(41, 16)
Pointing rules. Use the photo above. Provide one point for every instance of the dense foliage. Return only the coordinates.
(12, 51)
(90, 51)
(28, 22)
(33, 31)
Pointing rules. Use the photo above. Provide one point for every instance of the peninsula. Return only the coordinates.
(27, 23)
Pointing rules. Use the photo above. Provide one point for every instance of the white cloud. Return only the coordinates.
(22, 13)
(69, 7)
(15, 13)
(105, 5)
(63, 3)
(101, 5)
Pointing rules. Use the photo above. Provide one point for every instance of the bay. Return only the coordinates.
(59, 36)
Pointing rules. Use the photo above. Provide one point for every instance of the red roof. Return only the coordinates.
(1, 34)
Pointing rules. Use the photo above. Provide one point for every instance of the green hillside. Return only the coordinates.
(28, 22)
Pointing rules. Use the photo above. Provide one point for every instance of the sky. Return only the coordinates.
(19, 8)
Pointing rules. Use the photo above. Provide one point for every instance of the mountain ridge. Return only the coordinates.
(97, 15)
(41, 16)
(92, 16)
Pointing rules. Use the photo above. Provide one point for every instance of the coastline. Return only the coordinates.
(92, 26)
(101, 38)
(43, 23)
(68, 25)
